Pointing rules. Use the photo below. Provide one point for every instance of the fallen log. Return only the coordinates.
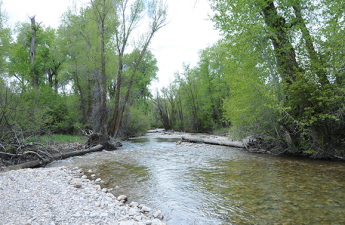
(38, 163)
(235, 144)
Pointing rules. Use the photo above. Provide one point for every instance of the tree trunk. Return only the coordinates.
(283, 49)
(33, 52)
(82, 105)
(104, 87)
(316, 63)
(38, 163)
(235, 144)
(119, 120)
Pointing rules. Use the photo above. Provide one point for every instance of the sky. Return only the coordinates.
(187, 32)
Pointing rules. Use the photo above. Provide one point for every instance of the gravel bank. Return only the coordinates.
(59, 196)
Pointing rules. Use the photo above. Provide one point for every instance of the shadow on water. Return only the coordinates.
(203, 184)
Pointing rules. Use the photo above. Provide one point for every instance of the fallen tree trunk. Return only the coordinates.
(38, 163)
(235, 144)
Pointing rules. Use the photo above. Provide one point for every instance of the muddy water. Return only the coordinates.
(204, 184)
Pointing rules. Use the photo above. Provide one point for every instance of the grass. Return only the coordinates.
(57, 138)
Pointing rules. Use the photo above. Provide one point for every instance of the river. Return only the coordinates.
(205, 184)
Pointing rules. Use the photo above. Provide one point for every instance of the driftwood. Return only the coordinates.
(37, 163)
(248, 143)
(235, 144)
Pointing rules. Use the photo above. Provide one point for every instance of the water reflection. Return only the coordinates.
(203, 184)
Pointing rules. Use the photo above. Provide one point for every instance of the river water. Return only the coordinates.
(205, 184)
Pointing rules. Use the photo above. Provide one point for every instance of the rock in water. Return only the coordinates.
(122, 198)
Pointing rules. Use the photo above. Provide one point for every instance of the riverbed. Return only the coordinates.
(205, 184)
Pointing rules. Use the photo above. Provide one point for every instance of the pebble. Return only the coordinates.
(49, 196)
(134, 204)
(145, 209)
(122, 198)
(158, 215)
(98, 180)
(156, 222)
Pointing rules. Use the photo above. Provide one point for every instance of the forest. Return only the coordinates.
(276, 74)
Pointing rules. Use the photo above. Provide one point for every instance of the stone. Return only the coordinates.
(156, 222)
(76, 182)
(137, 218)
(122, 198)
(126, 223)
(98, 180)
(140, 206)
(148, 222)
(97, 204)
(158, 215)
(134, 212)
(77, 215)
(134, 204)
(98, 187)
(105, 190)
(93, 176)
(110, 195)
(145, 209)
(104, 215)
(80, 171)
(126, 218)
(84, 177)
(93, 215)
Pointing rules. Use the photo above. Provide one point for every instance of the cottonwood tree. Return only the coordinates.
(5, 41)
(126, 23)
(101, 10)
(279, 50)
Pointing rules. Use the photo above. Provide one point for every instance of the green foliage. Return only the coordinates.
(194, 101)
(134, 123)
(283, 69)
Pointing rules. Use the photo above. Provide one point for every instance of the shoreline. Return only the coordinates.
(60, 195)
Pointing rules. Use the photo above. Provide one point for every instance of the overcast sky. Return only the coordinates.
(187, 32)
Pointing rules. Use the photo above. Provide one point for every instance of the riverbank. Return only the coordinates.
(63, 196)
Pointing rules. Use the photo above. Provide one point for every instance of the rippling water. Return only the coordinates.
(204, 184)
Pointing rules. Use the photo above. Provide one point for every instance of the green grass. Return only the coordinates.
(57, 138)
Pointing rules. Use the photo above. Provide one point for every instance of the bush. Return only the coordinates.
(134, 122)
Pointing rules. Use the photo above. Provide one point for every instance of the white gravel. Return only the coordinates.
(58, 196)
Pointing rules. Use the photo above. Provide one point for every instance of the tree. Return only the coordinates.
(5, 41)
(290, 62)
(124, 26)
(101, 9)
